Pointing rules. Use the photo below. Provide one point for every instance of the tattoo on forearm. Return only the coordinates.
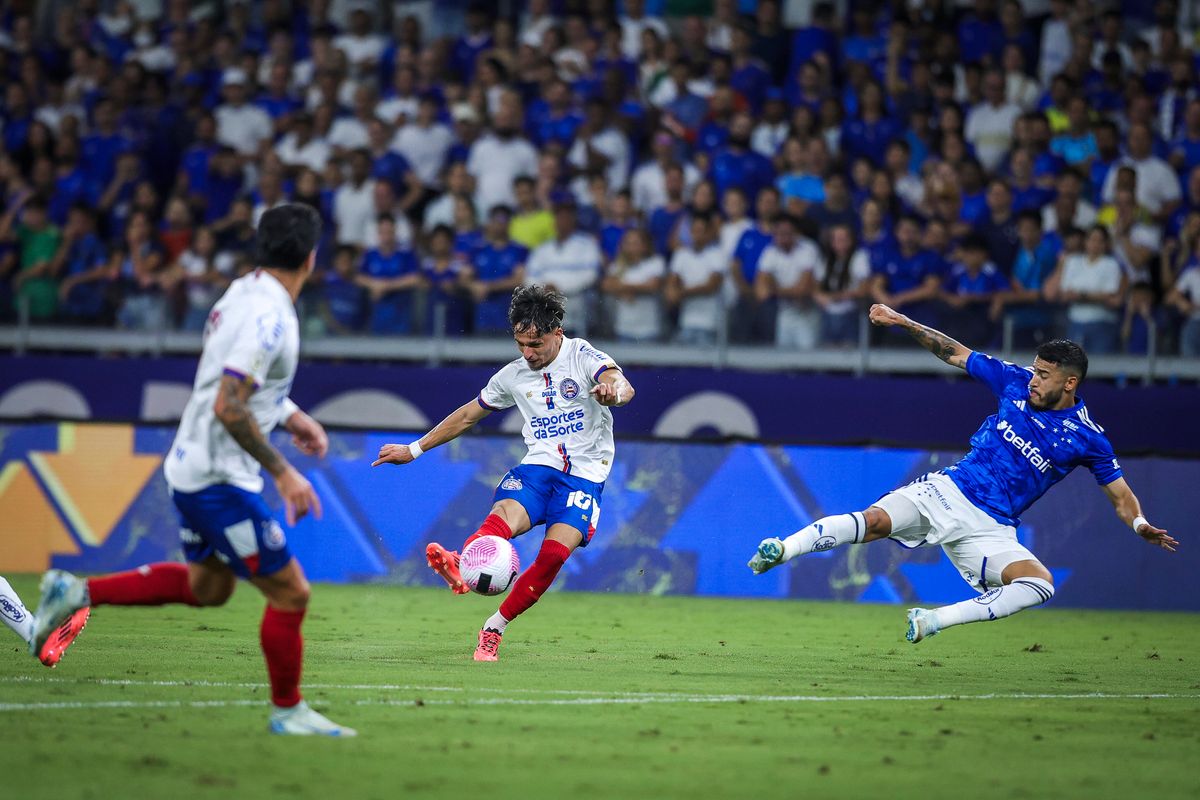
(237, 419)
(935, 342)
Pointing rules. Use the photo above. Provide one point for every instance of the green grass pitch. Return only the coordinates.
(599, 696)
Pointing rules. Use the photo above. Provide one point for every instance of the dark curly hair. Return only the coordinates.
(1069, 357)
(535, 308)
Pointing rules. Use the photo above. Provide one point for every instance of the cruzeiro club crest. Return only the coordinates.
(569, 389)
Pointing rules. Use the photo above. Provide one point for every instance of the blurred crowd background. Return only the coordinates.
(682, 170)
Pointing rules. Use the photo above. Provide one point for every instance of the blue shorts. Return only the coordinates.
(550, 496)
(235, 526)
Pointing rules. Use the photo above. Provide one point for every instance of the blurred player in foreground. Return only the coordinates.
(251, 345)
(15, 615)
(1040, 432)
(564, 388)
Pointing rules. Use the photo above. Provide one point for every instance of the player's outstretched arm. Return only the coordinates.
(613, 389)
(453, 426)
(1126, 504)
(232, 410)
(953, 353)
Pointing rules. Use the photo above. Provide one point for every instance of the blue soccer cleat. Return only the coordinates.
(769, 554)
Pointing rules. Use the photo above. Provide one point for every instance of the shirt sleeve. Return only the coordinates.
(496, 395)
(1101, 461)
(593, 362)
(997, 374)
(258, 343)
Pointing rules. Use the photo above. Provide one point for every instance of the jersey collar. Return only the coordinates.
(266, 279)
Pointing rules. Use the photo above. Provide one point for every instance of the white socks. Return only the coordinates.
(496, 622)
(1022, 593)
(826, 533)
(14, 614)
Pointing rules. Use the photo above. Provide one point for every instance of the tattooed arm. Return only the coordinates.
(934, 341)
(233, 411)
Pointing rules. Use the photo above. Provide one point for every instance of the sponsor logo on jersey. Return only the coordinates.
(11, 610)
(570, 389)
(552, 426)
(273, 536)
(1026, 448)
(1069, 425)
(511, 484)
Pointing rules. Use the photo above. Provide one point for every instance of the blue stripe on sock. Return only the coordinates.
(1041, 591)
(856, 528)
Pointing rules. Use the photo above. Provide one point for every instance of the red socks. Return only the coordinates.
(494, 525)
(148, 585)
(283, 647)
(534, 581)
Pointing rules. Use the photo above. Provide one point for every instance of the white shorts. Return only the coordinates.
(978, 546)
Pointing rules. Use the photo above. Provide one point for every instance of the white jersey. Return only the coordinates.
(253, 333)
(565, 428)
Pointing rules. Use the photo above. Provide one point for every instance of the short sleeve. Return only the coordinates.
(256, 346)
(997, 374)
(593, 362)
(1101, 461)
(496, 395)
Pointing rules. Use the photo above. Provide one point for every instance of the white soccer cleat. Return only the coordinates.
(922, 623)
(769, 554)
(62, 595)
(302, 720)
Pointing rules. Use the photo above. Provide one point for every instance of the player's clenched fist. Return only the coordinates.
(393, 454)
(882, 315)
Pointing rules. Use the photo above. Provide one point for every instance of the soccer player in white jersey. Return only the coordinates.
(251, 345)
(1040, 432)
(21, 620)
(564, 389)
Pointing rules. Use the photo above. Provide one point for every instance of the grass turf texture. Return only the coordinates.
(561, 714)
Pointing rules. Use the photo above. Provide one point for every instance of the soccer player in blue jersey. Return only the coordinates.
(1040, 432)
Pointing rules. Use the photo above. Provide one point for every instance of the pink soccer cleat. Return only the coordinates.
(62, 637)
(489, 643)
(445, 563)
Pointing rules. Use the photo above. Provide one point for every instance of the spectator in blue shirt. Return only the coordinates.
(980, 35)
(1108, 153)
(1185, 150)
(663, 219)
(968, 292)
(554, 120)
(999, 227)
(1023, 302)
(342, 303)
(619, 218)
(906, 276)
(82, 263)
(737, 165)
(391, 276)
(869, 132)
(1026, 194)
(444, 271)
(836, 208)
(751, 78)
(1077, 144)
(751, 321)
(494, 270)
(101, 149)
(475, 40)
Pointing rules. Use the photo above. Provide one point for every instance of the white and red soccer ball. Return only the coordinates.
(489, 565)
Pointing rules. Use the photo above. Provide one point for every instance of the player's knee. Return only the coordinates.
(1027, 569)
(879, 524)
(209, 595)
(298, 594)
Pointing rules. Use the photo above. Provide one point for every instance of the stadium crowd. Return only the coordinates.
(674, 168)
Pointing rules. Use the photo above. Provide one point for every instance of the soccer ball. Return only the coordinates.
(489, 565)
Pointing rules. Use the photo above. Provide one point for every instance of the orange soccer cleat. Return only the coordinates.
(489, 643)
(445, 563)
(62, 637)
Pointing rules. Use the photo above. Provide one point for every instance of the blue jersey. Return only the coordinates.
(1020, 452)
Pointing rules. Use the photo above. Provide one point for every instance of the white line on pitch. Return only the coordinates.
(591, 701)
(384, 687)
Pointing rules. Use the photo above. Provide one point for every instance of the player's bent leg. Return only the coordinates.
(824, 534)
(561, 540)
(287, 591)
(211, 582)
(1026, 583)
